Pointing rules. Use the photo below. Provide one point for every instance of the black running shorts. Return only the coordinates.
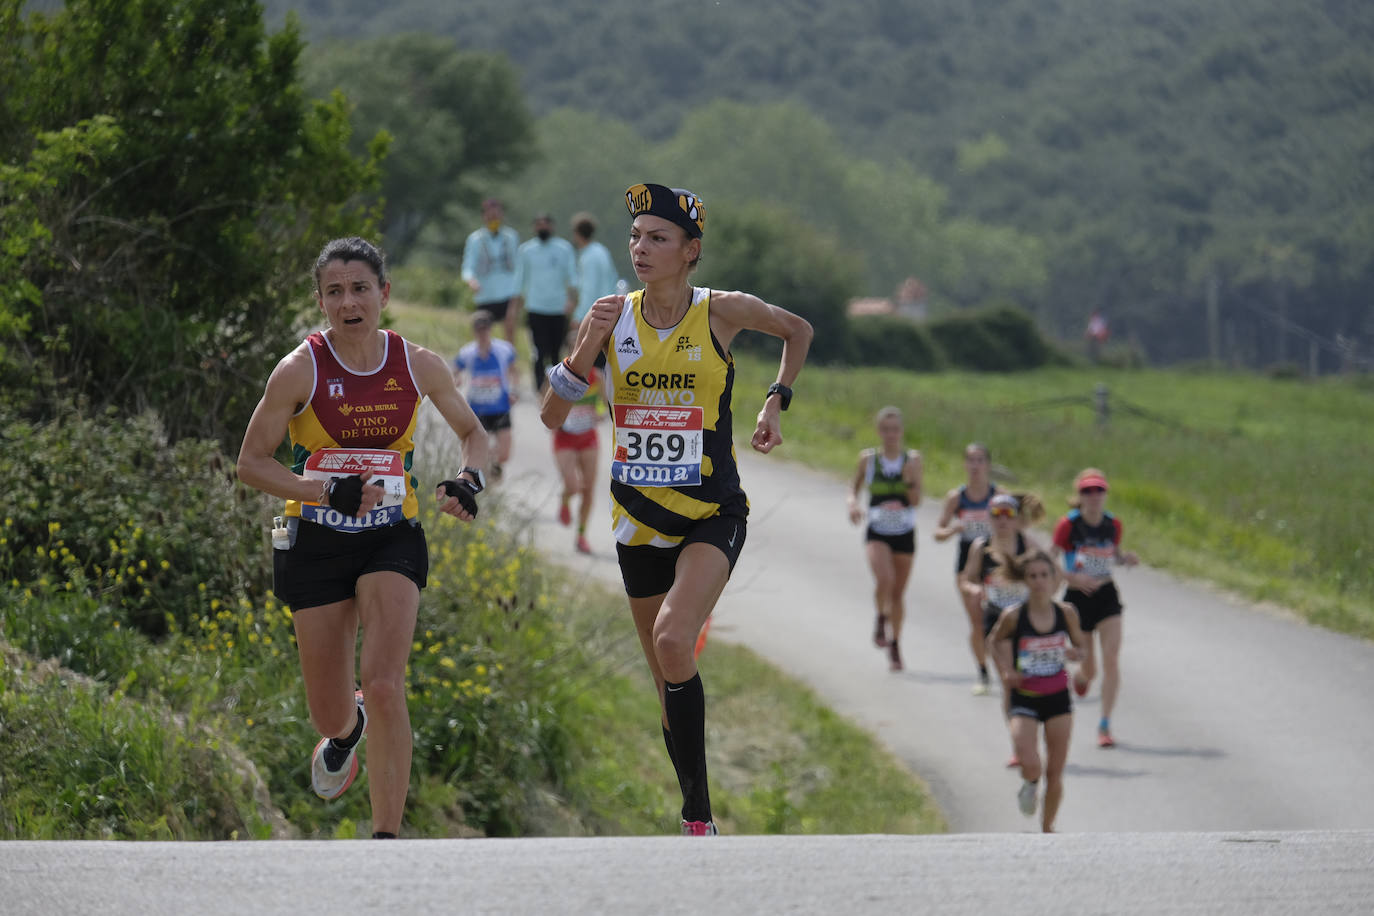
(497, 310)
(323, 565)
(649, 571)
(1041, 708)
(494, 422)
(1097, 607)
(900, 543)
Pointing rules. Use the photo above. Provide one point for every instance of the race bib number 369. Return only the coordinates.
(657, 446)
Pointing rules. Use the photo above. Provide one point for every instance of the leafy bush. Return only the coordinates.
(771, 253)
(174, 186)
(1002, 339)
(107, 507)
(886, 340)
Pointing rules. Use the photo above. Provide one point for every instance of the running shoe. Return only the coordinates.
(564, 515)
(582, 545)
(1104, 738)
(699, 828)
(981, 688)
(894, 657)
(1025, 799)
(332, 771)
(1013, 762)
(880, 632)
(1081, 687)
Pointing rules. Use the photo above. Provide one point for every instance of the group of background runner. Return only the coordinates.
(1006, 583)
(554, 283)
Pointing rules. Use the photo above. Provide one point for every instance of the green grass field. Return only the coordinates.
(1259, 485)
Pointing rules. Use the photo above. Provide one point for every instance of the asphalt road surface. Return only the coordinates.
(1242, 874)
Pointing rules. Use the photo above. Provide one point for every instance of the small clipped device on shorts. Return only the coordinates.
(281, 536)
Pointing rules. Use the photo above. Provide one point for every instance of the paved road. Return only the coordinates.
(1238, 874)
(1230, 717)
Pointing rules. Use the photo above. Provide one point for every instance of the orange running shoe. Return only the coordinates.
(564, 515)
(582, 545)
(1104, 738)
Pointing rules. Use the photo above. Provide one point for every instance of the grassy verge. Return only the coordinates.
(1245, 481)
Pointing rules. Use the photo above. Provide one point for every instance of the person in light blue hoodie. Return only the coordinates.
(489, 265)
(596, 273)
(546, 288)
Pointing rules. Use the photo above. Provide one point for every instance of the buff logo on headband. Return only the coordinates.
(673, 204)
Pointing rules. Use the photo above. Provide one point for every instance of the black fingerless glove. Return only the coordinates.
(346, 494)
(467, 496)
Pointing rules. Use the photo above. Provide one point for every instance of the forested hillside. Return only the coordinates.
(1168, 155)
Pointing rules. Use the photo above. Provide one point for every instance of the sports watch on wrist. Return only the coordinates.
(479, 480)
(779, 388)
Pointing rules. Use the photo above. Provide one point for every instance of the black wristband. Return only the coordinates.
(464, 491)
(345, 494)
(782, 391)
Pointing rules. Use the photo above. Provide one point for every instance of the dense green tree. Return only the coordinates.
(769, 252)
(167, 189)
(457, 122)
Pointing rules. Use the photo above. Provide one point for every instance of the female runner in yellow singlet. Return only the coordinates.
(677, 507)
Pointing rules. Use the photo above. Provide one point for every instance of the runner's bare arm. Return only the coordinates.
(948, 526)
(852, 498)
(968, 583)
(914, 475)
(436, 383)
(999, 647)
(592, 335)
(732, 312)
(1076, 634)
(288, 388)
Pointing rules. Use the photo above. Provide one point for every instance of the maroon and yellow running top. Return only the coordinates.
(356, 421)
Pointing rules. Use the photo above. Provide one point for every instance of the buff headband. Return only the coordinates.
(676, 205)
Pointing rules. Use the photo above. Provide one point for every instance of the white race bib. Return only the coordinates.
(484, 389)
(388, 470)
(657, 446)
(1041, 656)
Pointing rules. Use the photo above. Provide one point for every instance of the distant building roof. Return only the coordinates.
(871, 306)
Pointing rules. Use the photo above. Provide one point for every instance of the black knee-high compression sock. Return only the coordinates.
(672, 755)
(685, 707)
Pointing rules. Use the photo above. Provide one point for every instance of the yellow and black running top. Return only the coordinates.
(673, 459)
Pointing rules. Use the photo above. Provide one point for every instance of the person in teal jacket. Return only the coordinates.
(596, 273)
(489, 265)
(546, 288)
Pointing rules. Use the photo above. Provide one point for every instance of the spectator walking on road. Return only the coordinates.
(546, 289)
(489, 265)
